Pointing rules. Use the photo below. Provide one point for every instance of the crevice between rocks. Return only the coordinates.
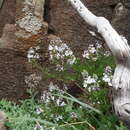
(47, 17)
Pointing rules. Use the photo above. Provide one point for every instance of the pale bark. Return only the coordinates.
(121, 51)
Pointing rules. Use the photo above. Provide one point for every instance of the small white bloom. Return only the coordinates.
(59, 51)
(58, 117)
(98, 45)
(84, 74)
(73, 115)
(39, 111)
(71, 61)
(52, 87)
(53, 128)
(107, 53)
(107, 76)
(63, 104)
(38, 127)
(50, 47)
(92, 50)
(58, 101)
(90, 80)
(68, 53)
(86, 54)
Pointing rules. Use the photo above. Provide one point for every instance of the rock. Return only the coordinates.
(14, 44)
(8, 38)
(13, 69)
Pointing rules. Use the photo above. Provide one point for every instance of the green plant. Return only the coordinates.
(58, 110)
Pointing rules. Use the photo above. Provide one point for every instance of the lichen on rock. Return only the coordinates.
(29, 22)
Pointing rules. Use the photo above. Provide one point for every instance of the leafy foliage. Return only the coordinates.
(58, 110)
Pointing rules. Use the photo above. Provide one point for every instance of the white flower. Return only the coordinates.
(59, 51)
(58, 102)
(68, 53)
(50, 48)
(52, 87)
(92, 50)
(58, 117)
(45, 98)
(98, 45)
(32, 54)
(73, 115)
(90, 80)
(39, 111)
(107, 76)
(84, 74)
(38, 127)
(85, 84)
(86, 54)
(71, 61)
(59, 67)
(63, 104)
(107, 53)
(124, 39)
(53, 128)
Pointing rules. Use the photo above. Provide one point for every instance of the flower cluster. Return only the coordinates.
(107, 75)
(91, 52)
(33, 53)
(90, 82)
(38, 127)
(60, 53)
(47, 95)
(33, 80)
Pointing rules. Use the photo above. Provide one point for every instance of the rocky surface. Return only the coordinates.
(7, 14)
(61, 20)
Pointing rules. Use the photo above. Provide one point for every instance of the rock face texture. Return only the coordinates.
(22, 27)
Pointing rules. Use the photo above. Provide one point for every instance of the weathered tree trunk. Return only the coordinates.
(121, 51)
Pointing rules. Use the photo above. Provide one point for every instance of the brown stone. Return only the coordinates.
(8, 38)
(65, 22)
(7, 14)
